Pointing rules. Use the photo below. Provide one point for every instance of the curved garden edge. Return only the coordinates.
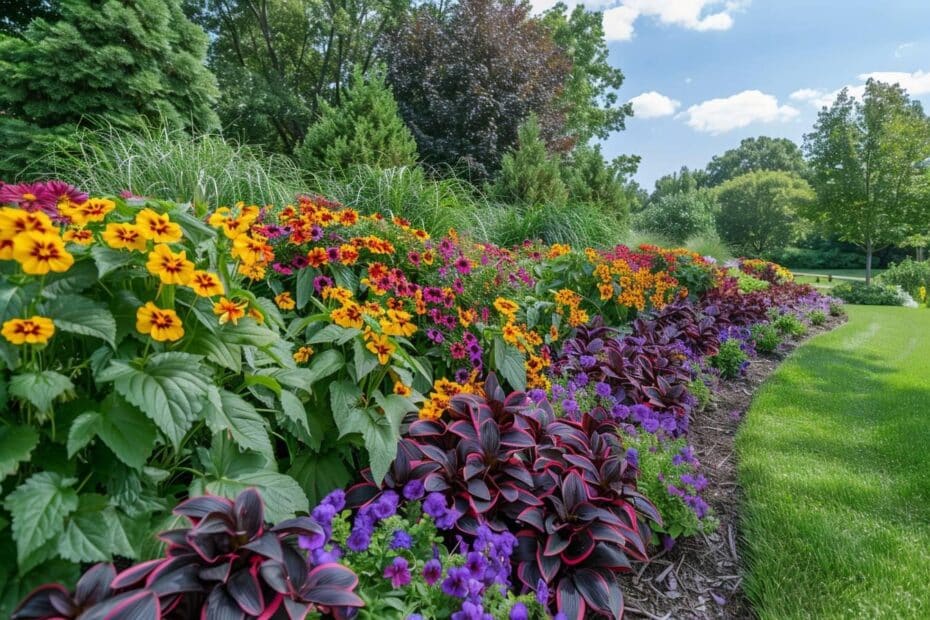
(701, 576)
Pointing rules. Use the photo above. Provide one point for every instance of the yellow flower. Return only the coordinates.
(251, 250)
(206, 284)
(39, 253)
(124, 237)
(229, 311)
(254, 271)
(349, 315)
(256, 315)
(80, 236)
(340, 294)
(302, 355)
(606, 291)
(14, 222)
(163, 325)
(398, 323)
(234, 225)
(92, 210)
(157, 226)
(506, 307)
(172, 268)
(35, 330)
(402, 389)
(285, 301)
(380, 345)
(567, 297)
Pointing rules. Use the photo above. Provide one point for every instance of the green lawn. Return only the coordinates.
(835, 464)
(823, 273)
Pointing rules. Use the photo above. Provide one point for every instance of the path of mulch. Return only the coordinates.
(701, 576)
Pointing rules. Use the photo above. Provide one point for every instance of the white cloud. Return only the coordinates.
(916, 83)
(725, 114)
(620, 15)
(903, 49)
(653, 105)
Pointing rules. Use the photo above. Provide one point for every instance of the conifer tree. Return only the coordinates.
(529, 175)
(365, 129)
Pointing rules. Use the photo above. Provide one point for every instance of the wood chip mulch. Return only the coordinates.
(701, 577)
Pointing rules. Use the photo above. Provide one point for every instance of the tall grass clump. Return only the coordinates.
(578, 224)
(434, 204)
(709, 245)
(173, 165)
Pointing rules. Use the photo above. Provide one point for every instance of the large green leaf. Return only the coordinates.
(126, 431)
(81, 276)
(40, 388)
(216, 350)
(170, 388)
(80, 315)
(364, 361)
(324, 364)
(304, 289)
(108, 259)
(318, 474)
(39, 507)
(82, 431)
(510, 364)
(226, 412)
(381, 438)
(343, 396)
(248, 332)
(294, 410)
(16, 444)
(86, 537)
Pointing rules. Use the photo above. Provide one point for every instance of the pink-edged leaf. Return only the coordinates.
(267, 545)
(221, 606)
(94, 585)
(135, 574)
(197, 508)
(141, 605)
(249, 512)
(581, 546)
(38, 603)
(246, 590)
(569, 601)
(333, 575)
(532, 516)
(556, 544)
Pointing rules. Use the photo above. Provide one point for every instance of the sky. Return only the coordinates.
(704, 74)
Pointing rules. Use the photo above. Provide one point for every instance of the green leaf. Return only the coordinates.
(264, 381)
(82, 275)
(325, 364)
(16, 444)
(294, 410)
(304, 285)
(39, 507)
(126, 431)
(248, 332)
(86, 537)
(318, 474)
(170, 389)
(510, 363)
(109, 260)
(381, 438)
(226, 412)
(82, 431)
(343, 396)
(216, 350)
(282, 495)
(80, 315)
(344, 276)
(40, 388)
(364, 361)
(334, 333)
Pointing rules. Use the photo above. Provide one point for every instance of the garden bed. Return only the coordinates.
(701, 576)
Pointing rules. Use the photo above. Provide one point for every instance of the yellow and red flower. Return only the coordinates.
(229, 311)
(157, 227)
(121, 236)
(161, 324)
(34, 330)
(206, 284)
(170, 267)
(39, 253)
(285, 301)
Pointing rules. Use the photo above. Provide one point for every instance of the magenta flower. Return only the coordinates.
(398, 572)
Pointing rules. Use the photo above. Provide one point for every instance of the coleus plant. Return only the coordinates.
(505, 460)
(228, 564)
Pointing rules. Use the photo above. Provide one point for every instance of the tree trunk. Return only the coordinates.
(868, 263)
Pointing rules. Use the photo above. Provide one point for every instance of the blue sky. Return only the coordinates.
(767, 63)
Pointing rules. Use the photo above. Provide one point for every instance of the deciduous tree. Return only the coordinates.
(754, 154)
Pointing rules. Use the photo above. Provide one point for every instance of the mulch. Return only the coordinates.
(701, 577)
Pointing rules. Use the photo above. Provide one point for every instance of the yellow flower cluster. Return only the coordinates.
(438, 400)
(636, 288)
(569, 302)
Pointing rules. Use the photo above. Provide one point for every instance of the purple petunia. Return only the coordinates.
(456, 582)
(432, 571)
(602, 389)
(519, 612)
(398, 572)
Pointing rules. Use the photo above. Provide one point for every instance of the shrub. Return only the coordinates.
(579, 225)
(670, 479)
(817, 317)
(765, 337)
(678, 217)
(748, 283)
(529, 175)
(228, 563)
(836, 308)
(788, 323)
(701, 391)
(869, 294)
(910, 275)
(731, 359)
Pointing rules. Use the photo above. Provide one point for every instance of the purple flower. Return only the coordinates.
(448, 520)
(401, 540)
(558, 391)
(581, 379)
(456, 582)
(519, 612)
(435, 335)
(620, 411)
(602, 389)
(651, 425)
(542, 592)
(570, 405)
(537, 395)
(432, 571)
(476, 564)
(398, 572)
(414, 617)
(587, 361)
(386, 506)
(358, 540)
(336, 499)
(323, 514)
(321, 282)
(471, 611)
(435, 505)
(632, 456)
(413, 490)
(322, 556)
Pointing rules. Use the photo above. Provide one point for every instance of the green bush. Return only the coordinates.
(789, 324)
(909, 275)
(817, 317)
(765, 337)
(730, 359)
(747, 283)
(529, 175)
(836, 309)
(700, 389)
(709, 244)
(174, 165)
(806, 258)
(678, 216)
(869, 294)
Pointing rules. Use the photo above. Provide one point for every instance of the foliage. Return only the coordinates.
(758, 210)
(709, 245)
(731, 358)
(126, 63)
(173, 165)
(754, 155)
(788, 324)
(817, 317)
(699, 388)
(863, 156)
(909, 275)
(588, 95)
(529, 175)
(679, 216)
(228, 563)
(748, 283)
(591, 179)
(277, 61)
(365, 130)
(765, 337)
(575, 224)
(683, 181)
(438, 60)
(868, 294)
(670, 478)
(15, 15)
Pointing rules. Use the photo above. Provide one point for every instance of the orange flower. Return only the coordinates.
(170, 267)
(398, 323)
(285, 301)
(35, 330)
(349, 315)
(317, 257)
(157, 227)
(348, 217)
(161, 324)
(302, 355)
(380, 345)
(402, 389)
(206, 284)
(506, 307)
(229, 311)
(39, 253)
(348, 254)
(251, 250)
(92, 210)
(124, 237)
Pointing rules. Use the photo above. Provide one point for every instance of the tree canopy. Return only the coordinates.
(865, 158)
(529, 175)
(754, 154)
(679, 216)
